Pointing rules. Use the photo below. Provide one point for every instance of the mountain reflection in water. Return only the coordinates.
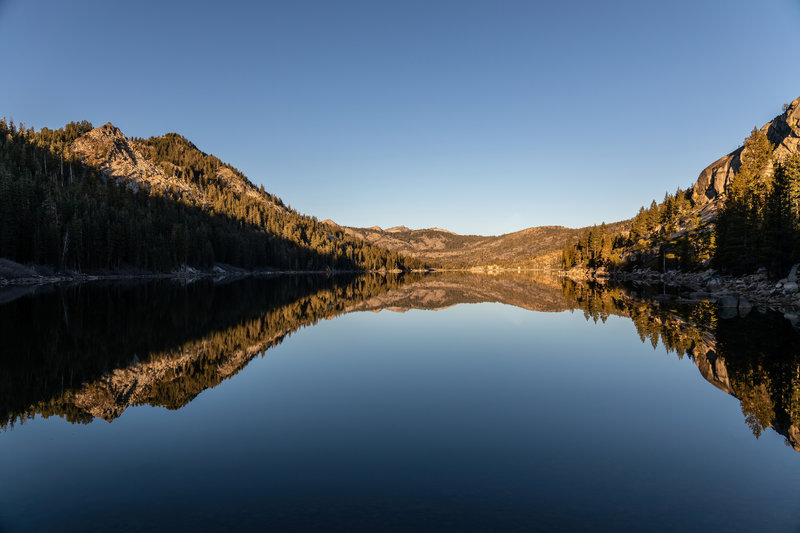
(91, 351)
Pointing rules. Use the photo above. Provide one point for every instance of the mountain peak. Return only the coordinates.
(108, 129)
(107, 148)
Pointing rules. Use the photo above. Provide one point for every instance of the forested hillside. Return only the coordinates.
(759, 222)
(742, 214)
(671, 234)
(89, 199)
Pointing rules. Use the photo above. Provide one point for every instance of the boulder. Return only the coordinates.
(793, 273)
(790, 286)
(728, 302)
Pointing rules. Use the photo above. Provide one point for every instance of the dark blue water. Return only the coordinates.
(476, 417)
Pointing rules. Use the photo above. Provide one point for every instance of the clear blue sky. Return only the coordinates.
(480, 117)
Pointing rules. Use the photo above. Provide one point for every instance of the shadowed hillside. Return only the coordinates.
(91, 351)
(90, 199)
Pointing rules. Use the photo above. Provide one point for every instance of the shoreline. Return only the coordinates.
(41, 275)
(737, 294)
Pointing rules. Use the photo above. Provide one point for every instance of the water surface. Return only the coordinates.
(434, 403)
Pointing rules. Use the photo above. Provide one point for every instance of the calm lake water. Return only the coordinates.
(440, 403)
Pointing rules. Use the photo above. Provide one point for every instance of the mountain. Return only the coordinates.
(101, 201)
(531, 247)
(90, 199)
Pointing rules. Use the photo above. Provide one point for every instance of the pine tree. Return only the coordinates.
(741, 222)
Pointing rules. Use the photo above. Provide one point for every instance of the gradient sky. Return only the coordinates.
(479, 117)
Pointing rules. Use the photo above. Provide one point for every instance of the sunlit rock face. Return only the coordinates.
(107, 148)
(783, 132)
(128, 163)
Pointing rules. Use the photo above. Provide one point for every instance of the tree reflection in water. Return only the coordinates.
(91, 351)
(755, 358)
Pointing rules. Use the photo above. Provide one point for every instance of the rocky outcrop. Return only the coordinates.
(715, 178)
(119, 160)
(783, 132)
(127, 163)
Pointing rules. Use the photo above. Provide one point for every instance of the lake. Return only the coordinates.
(423, 403)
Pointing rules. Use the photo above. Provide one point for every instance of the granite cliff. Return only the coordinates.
(783, 132)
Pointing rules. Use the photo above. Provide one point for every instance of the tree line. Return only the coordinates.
(759, 223)
(650, 238)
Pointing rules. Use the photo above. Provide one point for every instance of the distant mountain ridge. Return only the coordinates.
(531, 247)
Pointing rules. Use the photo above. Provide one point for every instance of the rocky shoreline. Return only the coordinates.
(15, 274)
(733, 295)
